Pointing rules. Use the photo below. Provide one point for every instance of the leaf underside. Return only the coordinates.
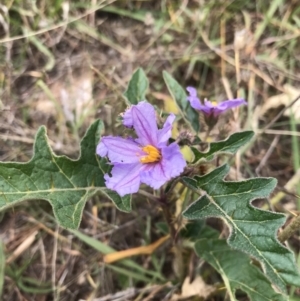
(65, 183)
(251, 230)
(237, 271)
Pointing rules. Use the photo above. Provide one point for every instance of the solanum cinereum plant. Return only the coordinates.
(149, 163)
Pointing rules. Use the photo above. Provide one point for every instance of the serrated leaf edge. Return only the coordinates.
(88, 191)
(236, 227)
(212, 156)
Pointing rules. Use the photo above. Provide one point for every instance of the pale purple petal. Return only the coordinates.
(193, 99)
(143, 119)
(171, 165)
(208, 107)
(165, 133)
(208, 104)
(172, 160)
(229, 104)
(195, 102)
(154, 175)
(125, 178)
(101, 150)
(192, 91)
(119, 150)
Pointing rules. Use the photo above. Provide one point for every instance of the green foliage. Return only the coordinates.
(137, 87)
(67, 184)
(236, 270)
(252, 230)
(179, 95)
(228, 146)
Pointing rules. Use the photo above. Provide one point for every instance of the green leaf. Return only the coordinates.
(197, 229)
(137, 87)
(179, 95)
(237, 271)
(252, 230)
(228, 146)
(65, 183)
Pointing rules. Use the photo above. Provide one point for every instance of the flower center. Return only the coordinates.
(214, 103)
(153, 154)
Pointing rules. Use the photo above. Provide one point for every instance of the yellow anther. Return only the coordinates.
(214, 103)
(153, 154)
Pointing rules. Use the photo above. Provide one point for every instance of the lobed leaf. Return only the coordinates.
(137, 87)
(237, 271)
(252, 230)
(65, 183)
(179, 95)
(228, 146)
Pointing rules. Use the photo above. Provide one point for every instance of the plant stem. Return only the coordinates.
(149, 195)
(165, 206)
(207, 134)
(290, 229)
(169, 220)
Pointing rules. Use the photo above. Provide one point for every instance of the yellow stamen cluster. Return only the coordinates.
(214, 103)
(154, 154)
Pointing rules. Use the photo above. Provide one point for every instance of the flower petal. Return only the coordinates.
(142, 118)
(165, 133)
(171, 165)
(195, 101)
(229, 104)
(172, 160)
(208, 104)
(125, 178)
(192, 91)
(119, 150)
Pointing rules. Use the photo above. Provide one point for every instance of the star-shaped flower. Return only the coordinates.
(147, 159)
(212, 109)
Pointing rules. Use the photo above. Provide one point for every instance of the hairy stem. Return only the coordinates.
(290, 229)
(169, 220)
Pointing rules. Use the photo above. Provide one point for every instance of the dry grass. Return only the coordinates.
(64, 64)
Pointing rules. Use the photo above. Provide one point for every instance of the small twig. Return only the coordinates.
(289, 186)
(147, 250)
(281, 113)
(290, 229)
(267, 155)
(149, 195)
(278, 132)
(53, 265)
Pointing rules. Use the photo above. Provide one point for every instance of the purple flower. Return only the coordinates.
(211, 108)
(148, 159)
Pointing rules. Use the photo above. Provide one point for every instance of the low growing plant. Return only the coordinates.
(119, 166)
